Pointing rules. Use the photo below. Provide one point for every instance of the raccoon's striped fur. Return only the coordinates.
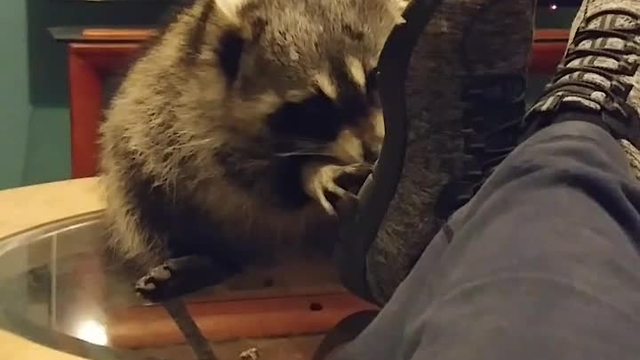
(198, 141)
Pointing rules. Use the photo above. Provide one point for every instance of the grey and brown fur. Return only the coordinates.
(200, 151)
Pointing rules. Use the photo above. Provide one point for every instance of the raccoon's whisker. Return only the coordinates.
(193, 143)
(310, 146)
(303, 153)
(301, 142)
(308, 140)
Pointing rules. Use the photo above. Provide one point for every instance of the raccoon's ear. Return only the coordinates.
(234, 39)
(400, 6)
(229, 53)
(230, 8)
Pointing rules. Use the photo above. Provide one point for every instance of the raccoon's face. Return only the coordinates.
(316, 62)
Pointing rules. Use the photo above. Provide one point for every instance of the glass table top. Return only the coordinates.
(59, 288)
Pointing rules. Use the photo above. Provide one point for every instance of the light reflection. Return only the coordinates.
(92, 331)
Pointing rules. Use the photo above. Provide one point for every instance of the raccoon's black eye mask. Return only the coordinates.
(229, 53)
(320, 118)
(317, 118)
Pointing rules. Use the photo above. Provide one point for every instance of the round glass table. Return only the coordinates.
(59, 288)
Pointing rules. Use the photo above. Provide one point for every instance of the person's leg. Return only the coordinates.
(544, 262)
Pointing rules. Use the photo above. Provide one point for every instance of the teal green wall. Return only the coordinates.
(48, 152)
(14, 92)
(34, 113)
(48, 146)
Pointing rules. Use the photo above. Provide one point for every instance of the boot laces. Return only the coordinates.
(596, 74)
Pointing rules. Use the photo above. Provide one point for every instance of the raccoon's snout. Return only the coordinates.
(349, 148)
(371, 154)
(373, 136)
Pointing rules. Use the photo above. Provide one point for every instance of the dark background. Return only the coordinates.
(47, 60)
(34, 100)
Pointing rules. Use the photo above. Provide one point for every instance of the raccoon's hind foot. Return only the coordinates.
(177, 277)
(329, 183)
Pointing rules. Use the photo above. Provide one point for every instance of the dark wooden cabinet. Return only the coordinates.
(95, 55)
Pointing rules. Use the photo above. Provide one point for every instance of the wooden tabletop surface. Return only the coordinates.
(22, 209)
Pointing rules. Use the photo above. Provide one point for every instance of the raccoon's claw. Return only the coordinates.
(334, 189)
(360, 171)
(321, 181)
(157, 275)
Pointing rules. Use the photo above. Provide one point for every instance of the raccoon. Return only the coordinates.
(228, 137)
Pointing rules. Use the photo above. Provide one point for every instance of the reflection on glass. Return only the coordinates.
(61, 280)
(91, 331)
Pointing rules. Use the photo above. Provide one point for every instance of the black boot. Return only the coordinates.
(452, 82)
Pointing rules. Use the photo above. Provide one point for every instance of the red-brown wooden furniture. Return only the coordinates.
(102, 52)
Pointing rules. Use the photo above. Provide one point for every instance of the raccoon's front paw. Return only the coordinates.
(325, 182)
(175, 277)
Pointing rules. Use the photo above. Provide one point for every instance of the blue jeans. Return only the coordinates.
(543, 263)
